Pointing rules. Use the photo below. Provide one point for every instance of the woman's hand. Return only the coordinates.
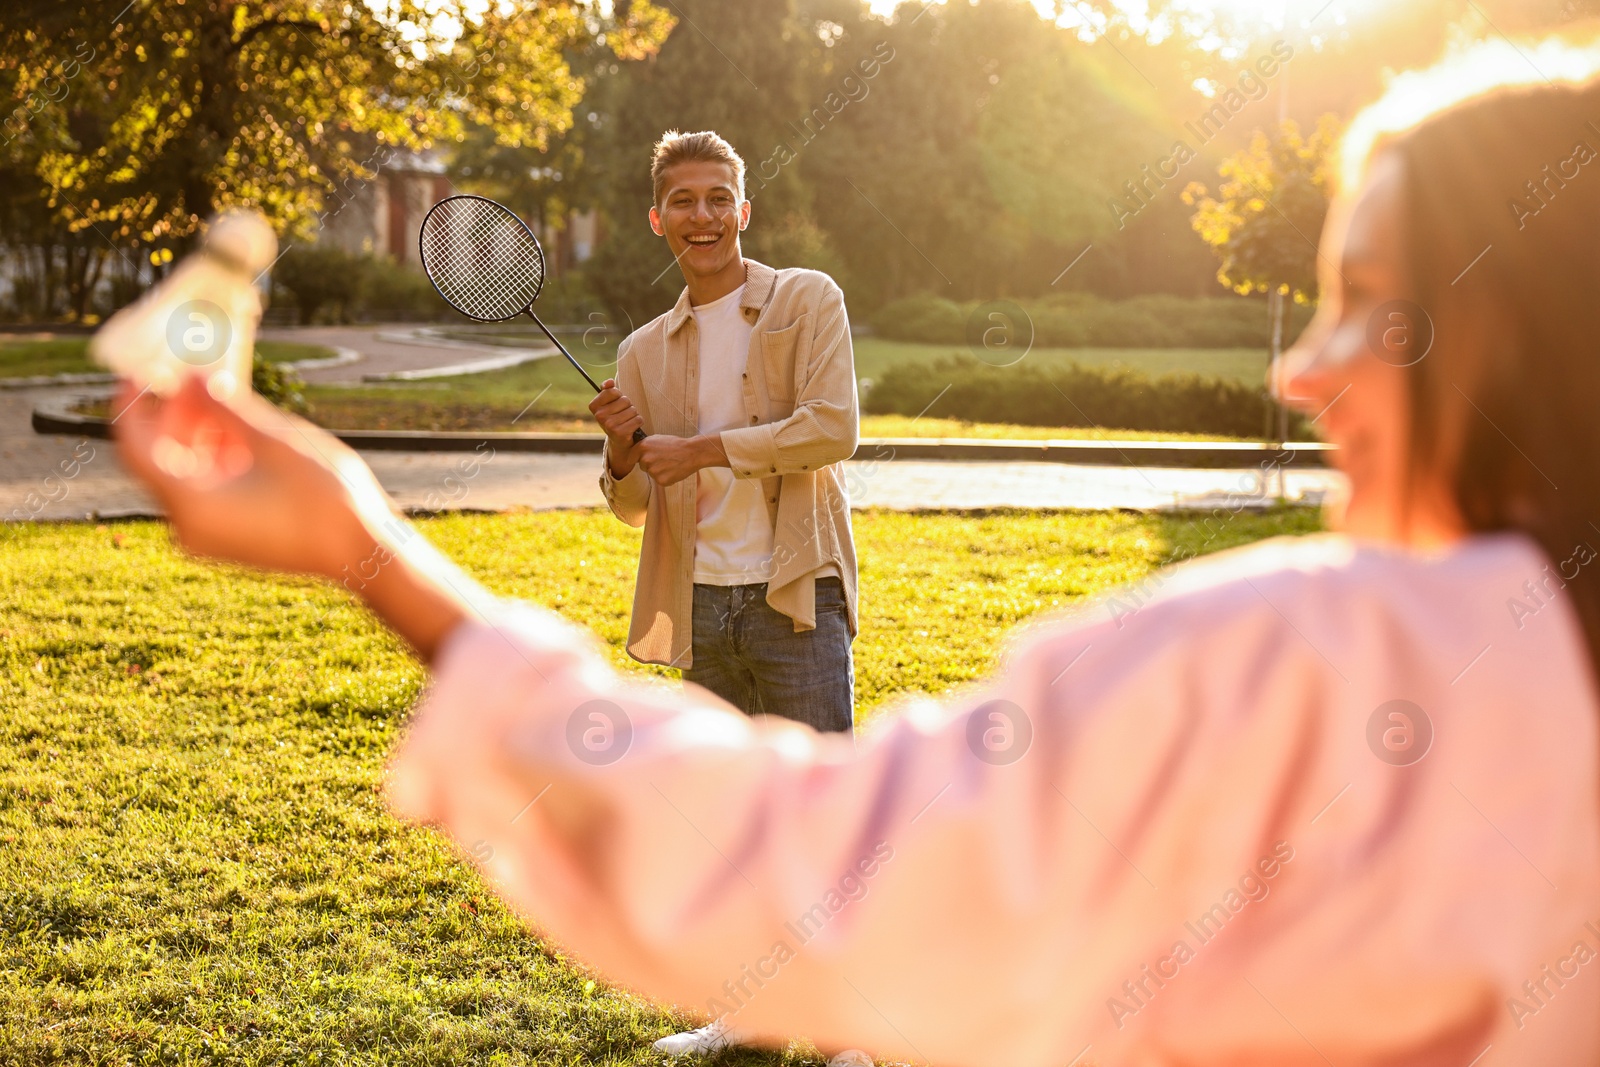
(249, 483)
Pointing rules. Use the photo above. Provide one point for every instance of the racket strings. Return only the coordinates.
(481, 258)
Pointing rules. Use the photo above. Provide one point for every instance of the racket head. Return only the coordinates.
(482, 258)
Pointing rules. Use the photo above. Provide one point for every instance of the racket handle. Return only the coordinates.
(638, 435)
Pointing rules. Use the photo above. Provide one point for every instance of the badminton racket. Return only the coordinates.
(488, 265)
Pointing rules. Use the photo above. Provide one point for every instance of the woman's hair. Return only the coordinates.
(1499, 149)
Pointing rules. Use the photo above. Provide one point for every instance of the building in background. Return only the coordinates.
(383, 216)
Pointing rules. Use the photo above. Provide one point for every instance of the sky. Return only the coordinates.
(1277, 13)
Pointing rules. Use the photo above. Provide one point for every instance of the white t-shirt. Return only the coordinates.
(733, 528)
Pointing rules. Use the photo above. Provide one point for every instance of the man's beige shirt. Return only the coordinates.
(799, 389)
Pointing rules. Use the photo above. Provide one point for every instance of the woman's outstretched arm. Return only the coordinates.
(251, 484)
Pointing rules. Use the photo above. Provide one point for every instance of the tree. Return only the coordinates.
(979, 163)
(137, 129)
(967, 149)
(538, 182)
(1266, 219)
(317, 275)
(733, 66)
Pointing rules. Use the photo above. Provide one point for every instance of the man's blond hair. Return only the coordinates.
(704, 146)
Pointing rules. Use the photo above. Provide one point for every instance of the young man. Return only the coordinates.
(746, 388)
(747, 575)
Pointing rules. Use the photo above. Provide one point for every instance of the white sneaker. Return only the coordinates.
(851, 1057)
(702, 1042)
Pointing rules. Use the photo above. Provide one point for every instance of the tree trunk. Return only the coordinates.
(51, 278)
(85, 276)
(213, 125)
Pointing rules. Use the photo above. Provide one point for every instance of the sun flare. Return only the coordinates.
(1199, 15)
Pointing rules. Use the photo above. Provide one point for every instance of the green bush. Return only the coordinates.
(795, 240)
(1082, 320)
(1074, 396)
(392, 290)
(317, 276)
(280, 384)
(567, 300)
(326, 284)
(926, 318)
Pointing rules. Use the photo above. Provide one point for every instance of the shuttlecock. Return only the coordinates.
(201, 320)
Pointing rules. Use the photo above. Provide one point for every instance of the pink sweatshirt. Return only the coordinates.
(1300, 803)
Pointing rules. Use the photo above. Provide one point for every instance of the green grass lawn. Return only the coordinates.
(69, 355)
(932, 426)
(874, 355)
(494, 400)
(424, 406)
(1248, 365)
(548, 396)
(200, 869)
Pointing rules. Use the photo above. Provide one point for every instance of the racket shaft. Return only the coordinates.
(639, 434)
(563, 348)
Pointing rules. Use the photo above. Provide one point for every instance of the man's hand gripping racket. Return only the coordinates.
(488, 265)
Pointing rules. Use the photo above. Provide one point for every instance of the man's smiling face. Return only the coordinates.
(700, 215)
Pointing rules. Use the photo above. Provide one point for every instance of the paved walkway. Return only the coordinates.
(384, 350)
(47, 477)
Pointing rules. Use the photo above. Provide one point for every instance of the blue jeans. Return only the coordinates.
(749, 654)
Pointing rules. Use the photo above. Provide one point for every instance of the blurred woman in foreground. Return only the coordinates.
(1323, 801)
